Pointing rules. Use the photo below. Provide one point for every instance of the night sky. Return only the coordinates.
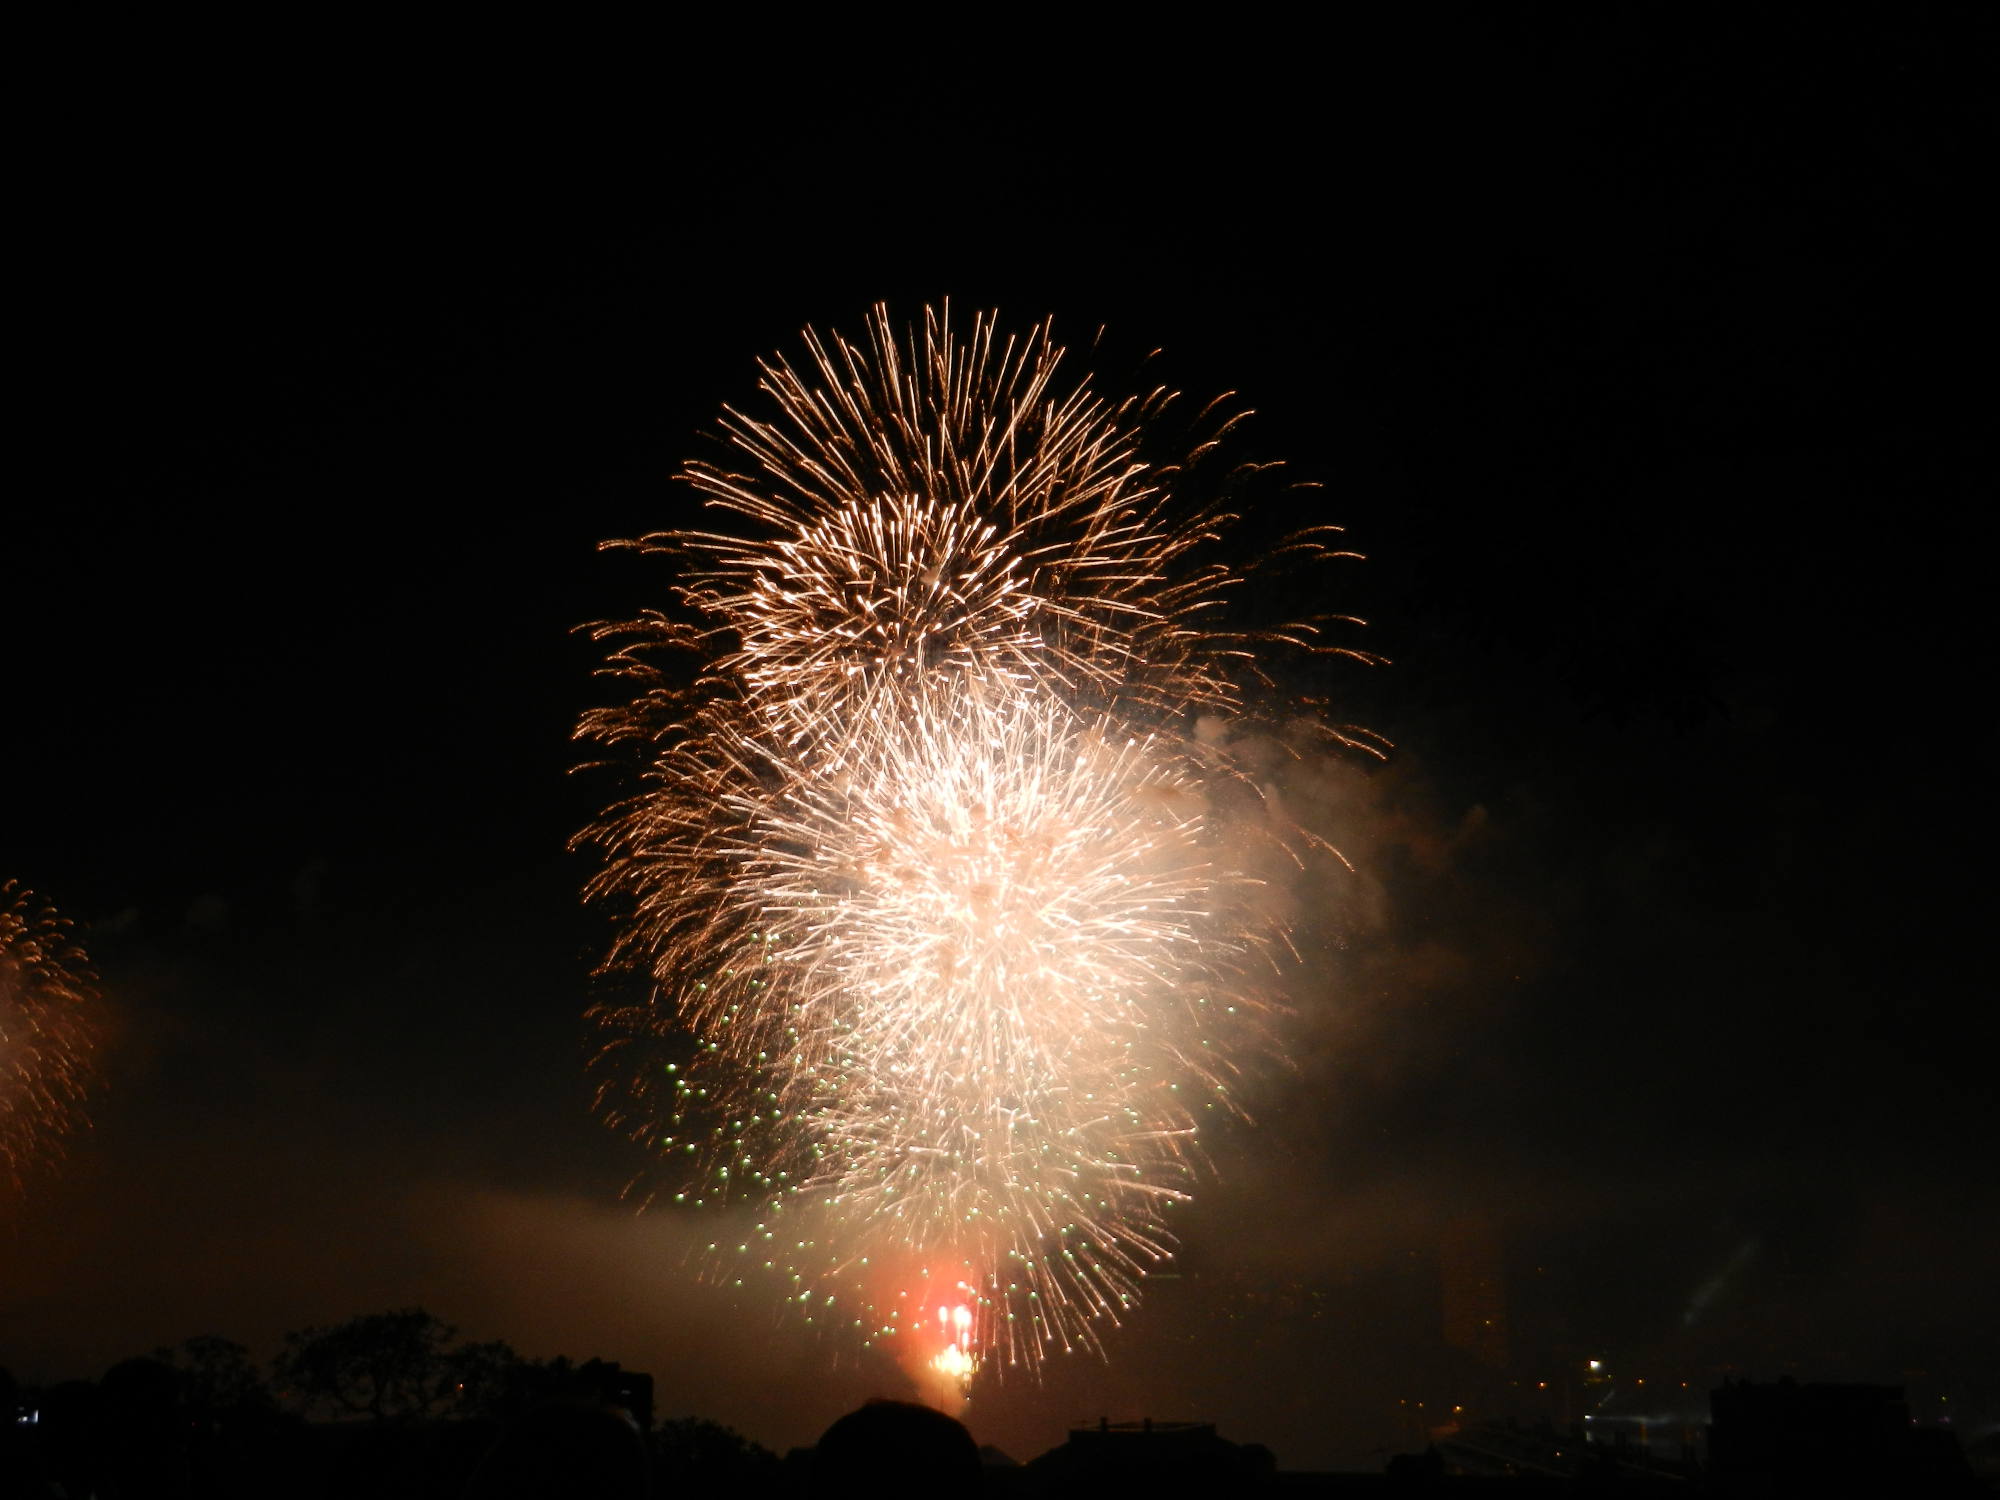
(1651, 371)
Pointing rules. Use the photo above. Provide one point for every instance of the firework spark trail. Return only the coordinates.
(925, 860)
(48, 994)
(992, 854)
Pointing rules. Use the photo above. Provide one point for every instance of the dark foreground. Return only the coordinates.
(117, 1440)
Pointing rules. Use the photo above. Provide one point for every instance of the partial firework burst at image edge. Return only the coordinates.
(48, 1032)
(955, 904)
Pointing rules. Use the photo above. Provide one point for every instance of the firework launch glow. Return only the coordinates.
(48, 996)
(953, 899)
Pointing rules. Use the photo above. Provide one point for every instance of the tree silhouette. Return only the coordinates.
(392, 1366)
(217, 1377)
(478, 1377)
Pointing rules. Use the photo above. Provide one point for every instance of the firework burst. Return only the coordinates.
(48, 996)
(953, 943)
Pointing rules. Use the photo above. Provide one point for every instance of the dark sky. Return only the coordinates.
(1650, 369)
